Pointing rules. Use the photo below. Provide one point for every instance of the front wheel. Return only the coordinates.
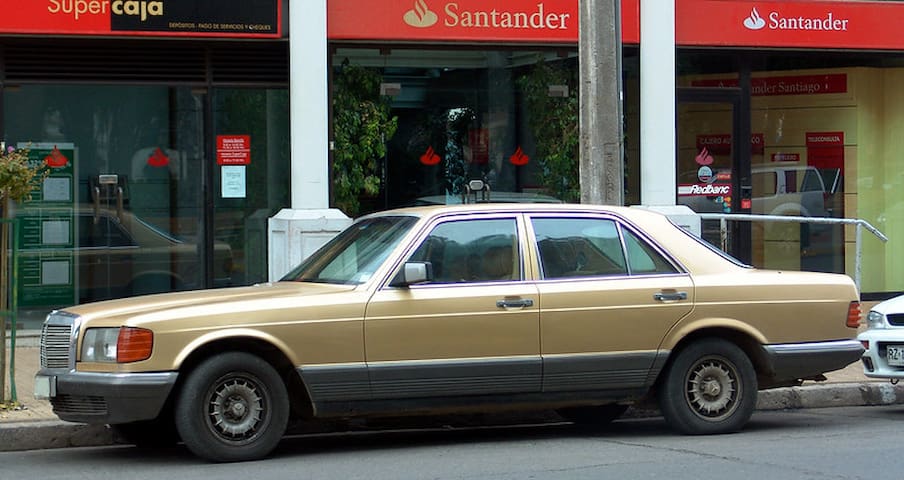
(710, 388)
(232, 407)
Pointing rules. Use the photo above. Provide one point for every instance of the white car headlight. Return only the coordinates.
(99, 345)
(875, 319)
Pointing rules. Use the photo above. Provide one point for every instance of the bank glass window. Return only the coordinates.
(824, 143)
(507, 118)
(123, 210)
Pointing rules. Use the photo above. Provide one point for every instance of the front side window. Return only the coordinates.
(352, 257)
(472, 251)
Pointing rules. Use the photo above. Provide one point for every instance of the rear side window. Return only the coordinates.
(591, 247)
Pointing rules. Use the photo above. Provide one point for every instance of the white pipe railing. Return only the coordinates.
(859, 223)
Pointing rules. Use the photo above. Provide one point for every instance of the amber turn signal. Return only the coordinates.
(134, 344)
(854, 314)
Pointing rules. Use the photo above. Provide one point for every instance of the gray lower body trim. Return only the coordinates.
(605, 371)
(95, 397)
(457, 377)
(792, 361)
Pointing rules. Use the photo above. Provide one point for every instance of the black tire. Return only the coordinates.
(157, 433)
(596, 416)
(215, 409)
(710, 388)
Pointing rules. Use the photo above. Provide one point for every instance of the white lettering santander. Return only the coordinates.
(826, 23)
(537, 19)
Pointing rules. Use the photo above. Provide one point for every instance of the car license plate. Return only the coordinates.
(45, 387)
(895, 355)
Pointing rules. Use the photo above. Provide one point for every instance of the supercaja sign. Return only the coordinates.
(223, 18)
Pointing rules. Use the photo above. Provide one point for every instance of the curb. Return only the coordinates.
(46, 434)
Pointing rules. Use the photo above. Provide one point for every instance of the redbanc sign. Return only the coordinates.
(205, 18)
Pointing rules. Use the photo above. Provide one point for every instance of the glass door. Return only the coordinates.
(712, 168)
(120, 213)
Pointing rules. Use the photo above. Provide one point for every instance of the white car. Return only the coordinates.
(884, 340)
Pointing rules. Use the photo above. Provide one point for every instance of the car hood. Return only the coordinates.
(892, 305)
(180, 304)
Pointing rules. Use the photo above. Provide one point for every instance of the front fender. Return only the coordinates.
(232, 334)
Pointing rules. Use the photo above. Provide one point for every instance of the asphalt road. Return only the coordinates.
(827, 443)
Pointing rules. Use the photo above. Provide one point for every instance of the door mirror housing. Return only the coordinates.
(413, 273)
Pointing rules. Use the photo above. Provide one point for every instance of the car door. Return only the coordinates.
(472, 330)
(608, 296)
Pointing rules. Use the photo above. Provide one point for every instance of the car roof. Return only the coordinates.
(432, 210)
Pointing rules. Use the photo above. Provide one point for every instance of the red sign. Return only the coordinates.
(158, 158)
(519, 158)
(550, 21)
(825, 149)
(430, 157)
(785, 157)
(774, 23)
(191, 18)
(233, 149)
(785, 85)
(720, 144)
(818, 23)
(56, 158)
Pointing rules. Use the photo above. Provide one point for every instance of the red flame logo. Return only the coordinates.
(519, 158)
(56, 159)
(158, 158)
(704, 158)
(430, 157)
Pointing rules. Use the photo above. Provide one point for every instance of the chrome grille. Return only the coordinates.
(56, 341)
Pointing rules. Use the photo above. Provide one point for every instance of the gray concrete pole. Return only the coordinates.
(601, 139)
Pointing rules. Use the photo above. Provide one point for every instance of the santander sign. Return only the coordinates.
(776, 21)
(536, 17)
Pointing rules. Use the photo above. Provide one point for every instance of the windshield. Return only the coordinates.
(354, 255)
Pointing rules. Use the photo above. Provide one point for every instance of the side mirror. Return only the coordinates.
(413, 273)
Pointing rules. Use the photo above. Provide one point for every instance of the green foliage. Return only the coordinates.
(362, 126)
(554, 123)
(17, 177)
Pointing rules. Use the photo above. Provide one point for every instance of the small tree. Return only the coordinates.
(18, 178)
(554, 123)
(362, 124)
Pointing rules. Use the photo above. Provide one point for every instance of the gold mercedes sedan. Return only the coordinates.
(581, 309)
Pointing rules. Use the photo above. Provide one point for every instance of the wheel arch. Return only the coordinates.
(270, 352)
(747, 339)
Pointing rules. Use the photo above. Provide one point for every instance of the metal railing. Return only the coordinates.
(858, 242)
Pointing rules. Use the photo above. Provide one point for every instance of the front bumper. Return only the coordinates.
(93, 397)
(875, 359)
(798, 361)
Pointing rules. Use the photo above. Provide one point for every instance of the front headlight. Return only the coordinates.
(119, 344)
(875, 319)
(99, 345)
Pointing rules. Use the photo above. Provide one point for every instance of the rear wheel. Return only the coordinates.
(232, 407)
(710, 388)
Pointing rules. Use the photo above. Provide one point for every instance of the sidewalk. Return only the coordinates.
(34, 426)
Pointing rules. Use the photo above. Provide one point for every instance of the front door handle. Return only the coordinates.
(669, 296)
(515, 303)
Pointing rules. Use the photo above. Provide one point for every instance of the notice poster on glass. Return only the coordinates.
(233, 181)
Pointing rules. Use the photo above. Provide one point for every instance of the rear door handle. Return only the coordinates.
(669, 296)
(515, 303)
